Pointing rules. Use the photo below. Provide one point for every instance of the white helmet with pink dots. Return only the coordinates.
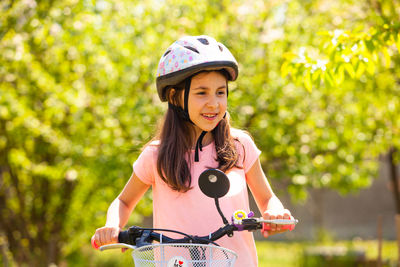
(192, 54)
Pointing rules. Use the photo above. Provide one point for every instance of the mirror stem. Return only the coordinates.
(220, 212)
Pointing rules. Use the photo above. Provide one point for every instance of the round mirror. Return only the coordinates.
(214, 183)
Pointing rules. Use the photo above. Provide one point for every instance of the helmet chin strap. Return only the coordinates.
(199, 145)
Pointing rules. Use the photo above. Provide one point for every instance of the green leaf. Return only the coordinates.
(316, 75)
(284, 69)
(329, 78)
(349, 69)
(360, 68)
(371, 67)
(370, 45)
(386, 56)
(398, 43)
(308, 81)
(339, 77)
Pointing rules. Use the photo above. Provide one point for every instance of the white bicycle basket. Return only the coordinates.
(183, 255)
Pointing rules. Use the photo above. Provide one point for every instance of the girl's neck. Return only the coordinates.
(207, 139)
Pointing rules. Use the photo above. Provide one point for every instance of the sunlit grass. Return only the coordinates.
(279, 253)
(290, 253)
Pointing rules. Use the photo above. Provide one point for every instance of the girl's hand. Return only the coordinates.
(106, 235)
(276, 214)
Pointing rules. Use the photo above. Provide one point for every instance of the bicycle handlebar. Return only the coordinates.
(138, 236)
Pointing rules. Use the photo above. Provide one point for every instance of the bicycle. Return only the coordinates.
(198, 251)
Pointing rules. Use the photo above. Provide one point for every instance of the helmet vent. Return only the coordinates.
(203, 41)
(193, 49)
(166, 53)
(220, 48)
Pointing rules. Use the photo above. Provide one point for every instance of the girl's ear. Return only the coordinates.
(171, 93)
(171, 96)
(174, 97)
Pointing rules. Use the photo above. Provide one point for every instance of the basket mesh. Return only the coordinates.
(191, 255)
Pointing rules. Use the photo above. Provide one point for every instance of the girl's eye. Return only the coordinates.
(221, 92)
(201, 93)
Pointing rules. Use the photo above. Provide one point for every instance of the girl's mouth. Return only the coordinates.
(209, 116)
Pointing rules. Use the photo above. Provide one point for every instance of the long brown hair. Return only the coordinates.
(176, 137)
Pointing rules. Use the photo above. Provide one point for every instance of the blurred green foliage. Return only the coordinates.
(352, 67)
(78, 101)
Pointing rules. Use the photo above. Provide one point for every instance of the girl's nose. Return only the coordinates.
(212, 102)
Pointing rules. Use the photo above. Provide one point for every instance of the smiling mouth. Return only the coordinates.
(209, 116)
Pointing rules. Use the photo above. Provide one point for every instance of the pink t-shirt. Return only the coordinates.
(193, 212)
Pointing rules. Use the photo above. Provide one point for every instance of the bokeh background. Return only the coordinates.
(318, 89)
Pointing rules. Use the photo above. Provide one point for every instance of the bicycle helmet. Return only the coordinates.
(189, 55)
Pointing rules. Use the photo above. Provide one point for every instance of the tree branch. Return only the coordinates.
(394, 178)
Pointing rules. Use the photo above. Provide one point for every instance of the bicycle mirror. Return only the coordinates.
(214, 183)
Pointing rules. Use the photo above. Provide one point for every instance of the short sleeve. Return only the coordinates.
(250, 153)
(145, 165)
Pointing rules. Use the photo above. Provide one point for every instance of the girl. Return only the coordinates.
(193, 77)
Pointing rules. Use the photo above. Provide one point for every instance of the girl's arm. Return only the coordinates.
(268, 204)
(119, 211)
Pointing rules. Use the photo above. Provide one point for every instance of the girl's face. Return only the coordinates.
(207, 100)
